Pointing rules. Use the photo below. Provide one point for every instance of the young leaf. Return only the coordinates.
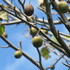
(2, 29)
(45, 52)
(54, 39)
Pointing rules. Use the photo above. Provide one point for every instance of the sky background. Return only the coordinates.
(15, 34)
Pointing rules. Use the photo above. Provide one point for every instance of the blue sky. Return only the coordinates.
(7, 59)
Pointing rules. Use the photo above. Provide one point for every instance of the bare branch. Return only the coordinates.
(20, 45)
(67, 25)
(58, 37)
(40, 60)
(55, 62)
(12, 22)
(66, 64)
(28, 23)
(4, 46)
(24, 54)
(10, 4)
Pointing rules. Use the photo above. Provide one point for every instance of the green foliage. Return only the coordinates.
(45, 52)
(2, 29)
(54, 39)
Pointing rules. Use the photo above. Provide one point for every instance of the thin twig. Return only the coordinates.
(56, 61)
(4, 46)
(23, 53)
(66, 64)
(11, 5)
(20, 45)
(40, 60)
(66, 23)
(28, 23)
(12, 22)
(21, 4)
(53, 29)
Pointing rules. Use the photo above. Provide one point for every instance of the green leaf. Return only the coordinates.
(54, 39)
(2, 29)
(45, 52)
(4, 15)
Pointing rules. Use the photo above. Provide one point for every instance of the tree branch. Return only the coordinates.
(40, 60)
(12, 22)
(56, 34)
(28, 23)
(55, 22)
(55, 62)
(4, 46)
(66, 64)
(67, 25)
(24, 54)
